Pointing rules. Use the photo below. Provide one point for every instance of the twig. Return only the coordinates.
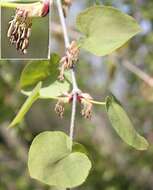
(138, 72)
(74, 83)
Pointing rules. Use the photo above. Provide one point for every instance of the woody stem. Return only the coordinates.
(74, 82)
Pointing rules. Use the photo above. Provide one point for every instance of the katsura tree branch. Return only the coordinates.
(57, 143)
(75, 90)
(74, 82)
(138, 72)
(64, 28)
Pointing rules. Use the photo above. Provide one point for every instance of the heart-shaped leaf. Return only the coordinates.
(105, 29)
(47, 72)
(52, 161)
(122, 124)
(26, 106)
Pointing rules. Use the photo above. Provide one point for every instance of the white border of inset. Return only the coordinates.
(0, 35)
(30, 59)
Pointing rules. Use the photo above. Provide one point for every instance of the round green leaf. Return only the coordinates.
(47, 72)
(123, 126)
(52, 161)
(105, 29)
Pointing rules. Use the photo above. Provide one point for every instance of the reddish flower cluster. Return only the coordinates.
(83, 98)
(45, 7)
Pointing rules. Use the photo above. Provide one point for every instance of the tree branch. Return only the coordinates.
(138, 72)
(74, 82)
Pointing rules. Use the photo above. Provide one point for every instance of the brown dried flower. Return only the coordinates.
(87, 105)
(70, 58)
(59, 107)
(20, 30)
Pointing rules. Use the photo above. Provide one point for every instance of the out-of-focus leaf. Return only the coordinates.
(52, 161)
(47, 72)
(27, 105)
(123, 126)
(105, 29)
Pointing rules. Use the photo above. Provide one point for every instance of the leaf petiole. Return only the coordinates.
(98, 103)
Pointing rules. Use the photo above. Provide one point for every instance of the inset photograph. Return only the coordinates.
(25, 32)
